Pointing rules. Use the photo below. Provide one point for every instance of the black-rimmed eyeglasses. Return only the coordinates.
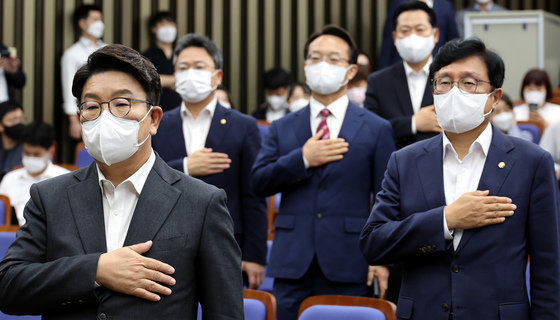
(119, 107)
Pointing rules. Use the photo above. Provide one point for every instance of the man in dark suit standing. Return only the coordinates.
(401, 93)
(217, 145)
(126, 237)
(464, 210)
(326, 159)
(11, 74)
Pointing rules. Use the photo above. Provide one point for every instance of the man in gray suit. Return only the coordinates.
(127, 237)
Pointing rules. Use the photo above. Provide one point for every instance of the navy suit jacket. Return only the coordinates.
(445, 16)
(238, 136)
(322, 211)
(485, 277)
(387, 95)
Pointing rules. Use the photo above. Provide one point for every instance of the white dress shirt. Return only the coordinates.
(334, 120)
(17, 183)
(417, 82)
(3, 86)
(272, 115)
(72, 59)
(119, 203)
(195, 131)
(550, 112)
(461, 176)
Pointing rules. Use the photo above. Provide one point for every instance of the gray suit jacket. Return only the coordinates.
(50, 268)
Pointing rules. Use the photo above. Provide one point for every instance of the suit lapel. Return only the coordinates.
(301, 126)
(493, 176)
(156, 201)
(430, 171)
(221, 121)
(86, 203)
(403, 96)
(428, 98)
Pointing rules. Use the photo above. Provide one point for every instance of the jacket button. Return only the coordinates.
(456, 268)
(445, 307)
(102, 316)
(319, 216)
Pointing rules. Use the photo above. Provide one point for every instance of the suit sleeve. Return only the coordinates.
(389, 237)
(451, 24)
(544, 241)
(219, 278)
(255, 219)
(26, 275)
(273, 171)
(16, 80)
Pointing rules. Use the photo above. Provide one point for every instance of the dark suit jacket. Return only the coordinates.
(322, 211)
(445, 22)
(485, 277)
(387, 95)
(238, 136)
(15, 81)
(50, 268)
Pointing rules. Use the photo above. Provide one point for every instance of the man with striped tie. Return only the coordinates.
(326, 159)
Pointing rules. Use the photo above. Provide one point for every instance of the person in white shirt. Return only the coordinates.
(536, 89)
(88, 21)
(401, 93)
(504, 119)
(276, 82)
(38, 149)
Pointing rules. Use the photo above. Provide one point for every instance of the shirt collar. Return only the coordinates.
(337, 107)
(424, 71)
(488, 8)
(482, 142)
(89, 44)
(137, 179)
(210, 109)
(42, 176)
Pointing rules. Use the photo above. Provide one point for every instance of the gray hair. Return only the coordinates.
(196, 40)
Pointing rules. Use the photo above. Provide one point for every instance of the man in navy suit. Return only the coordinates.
(326, 159)
(217, 145)
(463, 211)
(448, 30)
(401, 93)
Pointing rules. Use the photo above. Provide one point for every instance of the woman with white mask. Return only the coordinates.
(536, 89)
(163, 29)
(503, 118)
(298, 96)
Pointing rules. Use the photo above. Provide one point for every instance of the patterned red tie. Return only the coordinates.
(323, 124)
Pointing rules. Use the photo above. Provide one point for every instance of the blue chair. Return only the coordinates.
(2, 213)
(325, 312)
(257, 305)
(254, 309)
(532, 129)
(268, 282)
(82, 158)
(528, 280)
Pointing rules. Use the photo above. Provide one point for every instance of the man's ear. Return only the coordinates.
(497, 96)
(155, 115)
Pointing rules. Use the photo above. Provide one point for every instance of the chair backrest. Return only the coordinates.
(67, 166)
(337, 300)
(532, 129)
(327, 312)
(82, 157)
(268, 282)
(253, 301)
(6, 239)
(5, 210)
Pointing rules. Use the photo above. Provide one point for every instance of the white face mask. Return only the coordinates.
(109, 139)
(415, 48)
(357, 95)
(226, 105)
(458, 112)
(482, 1)
(503, 121)
(535, 97)
(166, 34)
(34, 165)
(96, 29)
(325, 78)
(298, 104)
(194, 85)
(276, 102)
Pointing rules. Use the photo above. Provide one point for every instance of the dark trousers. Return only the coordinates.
(290, 293)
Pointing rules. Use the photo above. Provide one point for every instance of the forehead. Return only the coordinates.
(473, 66)
(327, 44)
(412, 18)
(95, 14)
(165, 22)
(13, 114)
(110, 84)
(194, 54)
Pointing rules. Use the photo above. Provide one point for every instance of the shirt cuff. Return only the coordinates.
(412, 125)
(185, 168)
(448, 234)
(305, 163)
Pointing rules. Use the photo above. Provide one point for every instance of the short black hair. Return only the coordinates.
(39, 134)
(196, 40)
(458, 49)
(8, 106)
(414, 5)
(336, 31)
(116, 57)
(82, 12)
(507, 100)
(159, 17)
(276, 78)
(538, 77)
(301, 85)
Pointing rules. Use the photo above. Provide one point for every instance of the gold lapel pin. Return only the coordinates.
(501, 165)
(223, 121)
